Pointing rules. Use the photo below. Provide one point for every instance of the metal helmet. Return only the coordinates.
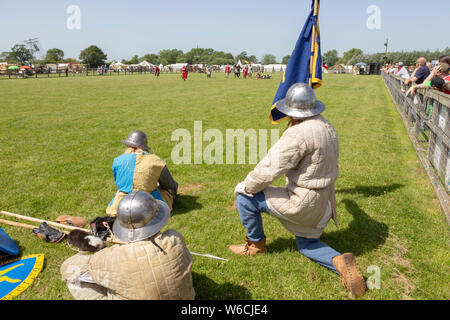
(140, 216)
(300, 102)
(137, 139)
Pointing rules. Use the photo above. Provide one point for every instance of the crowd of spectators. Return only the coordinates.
(423, 75)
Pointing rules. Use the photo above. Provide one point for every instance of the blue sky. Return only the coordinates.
(125, 28)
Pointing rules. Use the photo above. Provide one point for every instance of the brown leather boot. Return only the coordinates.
(249, 248)
(351, 277)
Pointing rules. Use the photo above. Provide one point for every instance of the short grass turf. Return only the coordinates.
(58, 138)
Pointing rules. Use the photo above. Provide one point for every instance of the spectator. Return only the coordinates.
(434, 72)
(421, 72)
(401, 71)
(445, 59)
(440, 80)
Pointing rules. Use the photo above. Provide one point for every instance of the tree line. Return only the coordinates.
(356, 55)
(93, 56)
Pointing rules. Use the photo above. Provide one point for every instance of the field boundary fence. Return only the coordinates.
(426, 116)
(94, 72)
(59, 73)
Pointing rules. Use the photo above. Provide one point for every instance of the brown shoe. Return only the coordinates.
(249, 248)
(351, 277)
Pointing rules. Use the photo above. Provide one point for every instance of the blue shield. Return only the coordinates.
(17, 275)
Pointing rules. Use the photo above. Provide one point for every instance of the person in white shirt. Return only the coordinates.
(401, 71)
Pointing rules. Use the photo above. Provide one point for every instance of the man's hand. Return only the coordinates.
(240, 188)
(411, 90)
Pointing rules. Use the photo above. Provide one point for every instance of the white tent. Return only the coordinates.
(176, 66)
(146, 64)
(274, 67)
(116, 64)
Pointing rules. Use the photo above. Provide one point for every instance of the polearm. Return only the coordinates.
(51, 223)
(55, 224)
(313, 41)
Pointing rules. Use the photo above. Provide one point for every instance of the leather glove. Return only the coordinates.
(240, 188)
(47, 233)
(71, 221)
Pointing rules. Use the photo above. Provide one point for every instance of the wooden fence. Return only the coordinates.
(427, 118)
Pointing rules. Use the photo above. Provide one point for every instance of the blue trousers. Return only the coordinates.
(250, 209)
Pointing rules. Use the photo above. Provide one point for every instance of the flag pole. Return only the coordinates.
(313, 41)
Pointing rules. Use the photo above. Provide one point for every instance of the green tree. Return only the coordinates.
(18, 54)
(330, 57)
(169, 56)
(269, 59)
(93, 56)
(134, 60)
(67, 60)
(7, 56)
(54, 55)
(350, 54)
(285, 59)
(241, 56)
(253, 59)
(150, 57)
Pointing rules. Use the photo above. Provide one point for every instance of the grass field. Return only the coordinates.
(58, 138)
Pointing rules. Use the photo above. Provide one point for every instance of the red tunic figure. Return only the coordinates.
(157, 72)
(245, 71)
(227, 71)
(184, 73)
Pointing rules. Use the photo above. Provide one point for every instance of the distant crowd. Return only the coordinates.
(424, 74)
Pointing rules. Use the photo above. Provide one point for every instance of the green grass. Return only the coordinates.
(58, 138)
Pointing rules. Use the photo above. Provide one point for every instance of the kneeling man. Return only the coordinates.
(307, 154)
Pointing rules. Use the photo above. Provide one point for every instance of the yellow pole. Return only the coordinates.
(313, 40)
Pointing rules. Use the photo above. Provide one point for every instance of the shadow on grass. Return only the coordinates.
(371, 191)
(364, 234)
(207, 289)
(185, 203)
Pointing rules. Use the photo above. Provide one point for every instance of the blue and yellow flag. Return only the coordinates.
(300, 67)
